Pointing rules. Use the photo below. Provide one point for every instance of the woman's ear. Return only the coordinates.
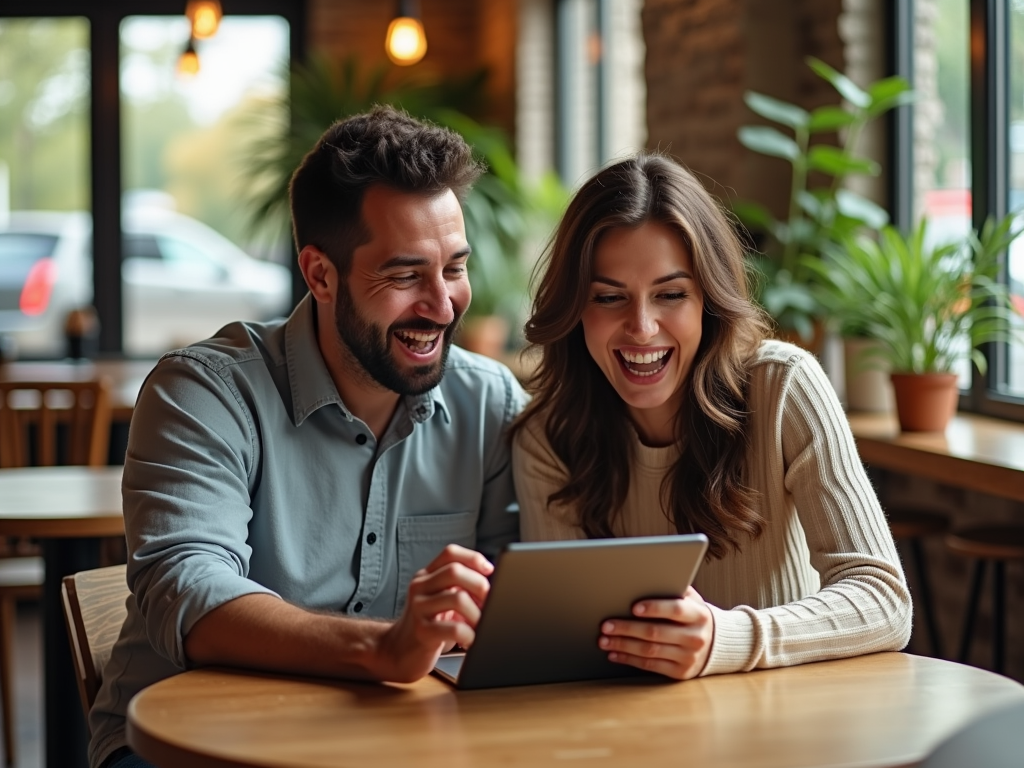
(319, 272)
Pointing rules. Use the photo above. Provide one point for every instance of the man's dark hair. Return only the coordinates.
(383, 146)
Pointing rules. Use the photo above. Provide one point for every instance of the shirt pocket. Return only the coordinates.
(422, 537)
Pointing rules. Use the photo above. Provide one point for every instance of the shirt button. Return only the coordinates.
(357, 607)
(371, 538)
(361, 439)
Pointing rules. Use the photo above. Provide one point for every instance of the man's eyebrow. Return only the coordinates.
(397, 262)
(666, 279)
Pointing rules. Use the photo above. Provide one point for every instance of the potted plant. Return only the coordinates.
(818, 214)
(503, 211)
(928, 305)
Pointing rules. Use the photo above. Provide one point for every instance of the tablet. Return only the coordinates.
(542, 618)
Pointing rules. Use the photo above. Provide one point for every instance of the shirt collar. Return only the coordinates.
(311, 383)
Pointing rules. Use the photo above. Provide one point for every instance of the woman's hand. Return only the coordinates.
(672, 637)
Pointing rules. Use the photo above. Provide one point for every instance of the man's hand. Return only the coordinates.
(673, 639)
(442, 609)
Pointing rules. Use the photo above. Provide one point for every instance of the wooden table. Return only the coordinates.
(126, 377)
(887, 709)
(976, 453)
(69, 508)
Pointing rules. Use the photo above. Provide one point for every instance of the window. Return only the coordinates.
(184, 139)
(56, 131)
(968, 150)
(600, 87)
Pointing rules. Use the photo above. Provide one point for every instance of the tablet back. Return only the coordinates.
(543, 615)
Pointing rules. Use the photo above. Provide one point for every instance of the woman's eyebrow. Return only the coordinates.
(666, 279)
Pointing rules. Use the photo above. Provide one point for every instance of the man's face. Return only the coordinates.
(407, 289)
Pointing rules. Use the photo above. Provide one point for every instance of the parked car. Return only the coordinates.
(182, 280)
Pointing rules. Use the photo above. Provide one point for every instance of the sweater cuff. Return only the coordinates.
(732, 646)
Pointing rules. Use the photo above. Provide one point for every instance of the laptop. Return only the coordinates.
(542, 618)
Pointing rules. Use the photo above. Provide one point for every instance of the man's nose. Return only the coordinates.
(435, 304)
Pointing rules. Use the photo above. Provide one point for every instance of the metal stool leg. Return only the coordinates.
(972, 610)
(999, 616)
(927, 605)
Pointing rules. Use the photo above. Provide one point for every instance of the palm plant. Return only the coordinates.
(927, 305)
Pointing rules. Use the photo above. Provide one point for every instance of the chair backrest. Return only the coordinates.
(84, 406)
(94, 610)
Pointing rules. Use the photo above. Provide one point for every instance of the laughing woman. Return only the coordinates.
(660, 407)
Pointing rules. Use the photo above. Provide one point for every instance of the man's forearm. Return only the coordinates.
(260, 631)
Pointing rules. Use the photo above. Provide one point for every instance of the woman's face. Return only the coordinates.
(642, 323)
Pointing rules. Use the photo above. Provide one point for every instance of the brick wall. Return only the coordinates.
(702, 55)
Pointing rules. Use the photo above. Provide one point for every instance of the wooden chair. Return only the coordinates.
(996, 544)
(94, 610)
(911, 524)
(30, 414)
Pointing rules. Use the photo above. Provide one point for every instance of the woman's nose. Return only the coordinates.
(641, 324)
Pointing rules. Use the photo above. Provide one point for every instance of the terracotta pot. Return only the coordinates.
(485, 334)
(925, 402)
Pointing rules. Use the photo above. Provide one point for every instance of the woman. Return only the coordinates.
(660, 407)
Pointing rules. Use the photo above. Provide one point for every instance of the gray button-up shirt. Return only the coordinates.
(246, 473)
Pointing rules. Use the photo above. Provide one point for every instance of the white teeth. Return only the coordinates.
(419, 336)
(644, 358)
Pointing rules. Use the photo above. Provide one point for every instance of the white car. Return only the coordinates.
(182, 280)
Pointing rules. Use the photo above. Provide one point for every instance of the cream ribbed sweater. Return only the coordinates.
(822, 582)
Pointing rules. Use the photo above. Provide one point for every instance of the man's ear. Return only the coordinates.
(320, 274)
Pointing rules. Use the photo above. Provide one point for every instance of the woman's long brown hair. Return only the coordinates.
(586, 421)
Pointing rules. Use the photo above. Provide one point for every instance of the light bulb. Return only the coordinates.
(188, 62)
(406, 43)
(205, 17)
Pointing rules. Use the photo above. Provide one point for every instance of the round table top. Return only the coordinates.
(888, 709)
(61, 502)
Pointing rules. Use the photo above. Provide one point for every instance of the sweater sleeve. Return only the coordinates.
(863, 604)
(538, 473)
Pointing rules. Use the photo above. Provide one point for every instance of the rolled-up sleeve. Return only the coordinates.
(190, 466)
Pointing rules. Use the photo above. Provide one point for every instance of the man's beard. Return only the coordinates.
(369, 345)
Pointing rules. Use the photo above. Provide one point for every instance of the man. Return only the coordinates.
(292, 487)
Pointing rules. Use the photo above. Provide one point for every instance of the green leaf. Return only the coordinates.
(836, 162)
(829, 118)
(846, 87)
(811, 205)
(768, 141)
(777, 111)
(888, 88)
(857, 207)
(885, 105)
(753, 214)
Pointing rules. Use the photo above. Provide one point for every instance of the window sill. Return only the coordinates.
(976, 453)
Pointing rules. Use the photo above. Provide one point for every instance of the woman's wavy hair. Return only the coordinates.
(586, 421)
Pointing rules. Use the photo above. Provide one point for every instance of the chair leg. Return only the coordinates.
(6, 682)
(927, 605)
(972, 610)
(999, 616)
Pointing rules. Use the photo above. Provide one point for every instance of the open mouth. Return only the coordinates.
(644, 364)
(419, 342)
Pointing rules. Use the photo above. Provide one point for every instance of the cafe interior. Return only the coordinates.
(145, 149)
